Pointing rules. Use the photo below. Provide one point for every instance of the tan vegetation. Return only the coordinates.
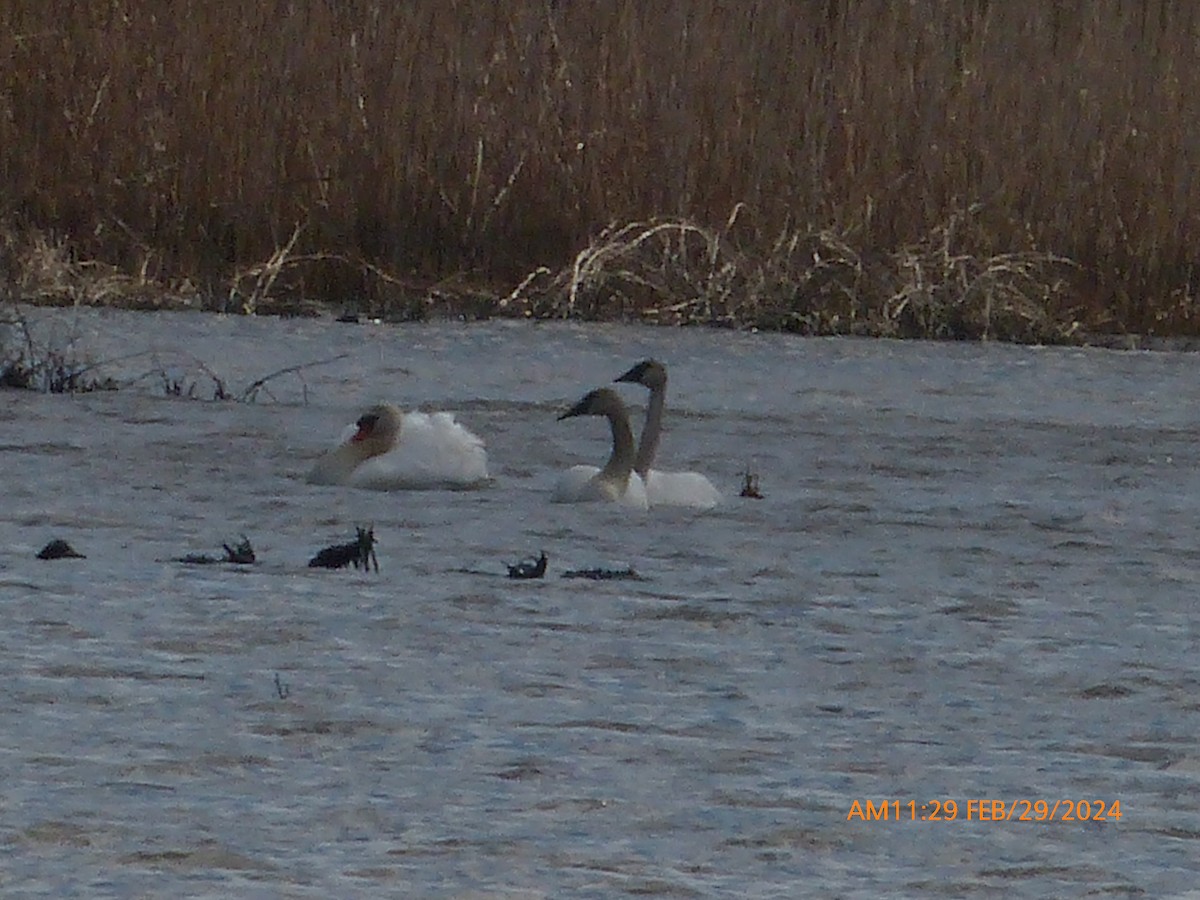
(963, 168)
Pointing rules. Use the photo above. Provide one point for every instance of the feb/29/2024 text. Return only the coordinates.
(985, 810)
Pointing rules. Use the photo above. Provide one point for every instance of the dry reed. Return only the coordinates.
(955, 168)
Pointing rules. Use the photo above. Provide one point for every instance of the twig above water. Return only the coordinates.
(177, 384)
(359, 553)
(251, 391)
(750, 485)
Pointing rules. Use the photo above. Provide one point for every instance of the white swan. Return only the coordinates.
(435, 451)
(616, 482)
(664, 488)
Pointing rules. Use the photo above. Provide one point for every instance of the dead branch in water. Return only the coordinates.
(530, 567)
(750, 485)
(175, 382)
(251, 392)
(38, 366)
(241, 554)
(359, 552)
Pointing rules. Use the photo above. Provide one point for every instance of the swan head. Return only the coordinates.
(376, 430)
(648, 373)
(600, 402)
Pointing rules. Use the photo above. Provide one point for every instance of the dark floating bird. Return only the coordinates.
(598, 574)
(750, 486)
(242, 555)
(59, 549)
(359, 553)
(529, 567)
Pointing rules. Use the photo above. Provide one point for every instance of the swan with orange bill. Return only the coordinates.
(387, 450)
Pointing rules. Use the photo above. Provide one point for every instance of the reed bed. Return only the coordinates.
(945, 168)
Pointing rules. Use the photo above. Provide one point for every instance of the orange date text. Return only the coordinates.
(985, 810)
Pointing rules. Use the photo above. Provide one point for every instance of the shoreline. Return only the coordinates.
(664, 271)
(478, 306)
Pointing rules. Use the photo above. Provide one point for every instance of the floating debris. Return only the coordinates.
(242, 555)
(626, 574)
(750, 485)
(174, 384)
(59, 549)
(529, 567)
(359, 553)
(53, 374)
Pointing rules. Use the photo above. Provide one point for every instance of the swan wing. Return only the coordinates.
(582, 484)
(635, 496)
(434, 450)
(576, 485)
(681, 489)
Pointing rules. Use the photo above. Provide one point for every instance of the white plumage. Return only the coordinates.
(386, 450)
(664, 488)
(616, 482)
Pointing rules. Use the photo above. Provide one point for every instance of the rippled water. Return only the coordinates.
(974, 575)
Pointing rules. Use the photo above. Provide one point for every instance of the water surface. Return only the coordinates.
(973, 576)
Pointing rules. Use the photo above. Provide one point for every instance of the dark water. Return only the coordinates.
(973, 577)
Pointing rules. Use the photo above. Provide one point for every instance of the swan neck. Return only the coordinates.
(651, 431)
(336, 465)
(621, 462)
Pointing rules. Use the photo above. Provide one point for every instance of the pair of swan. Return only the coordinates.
(628, 477)
(436, 451)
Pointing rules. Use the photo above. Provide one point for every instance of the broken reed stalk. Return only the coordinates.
(264, 276)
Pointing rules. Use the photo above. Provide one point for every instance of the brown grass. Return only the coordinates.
(967, 168)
